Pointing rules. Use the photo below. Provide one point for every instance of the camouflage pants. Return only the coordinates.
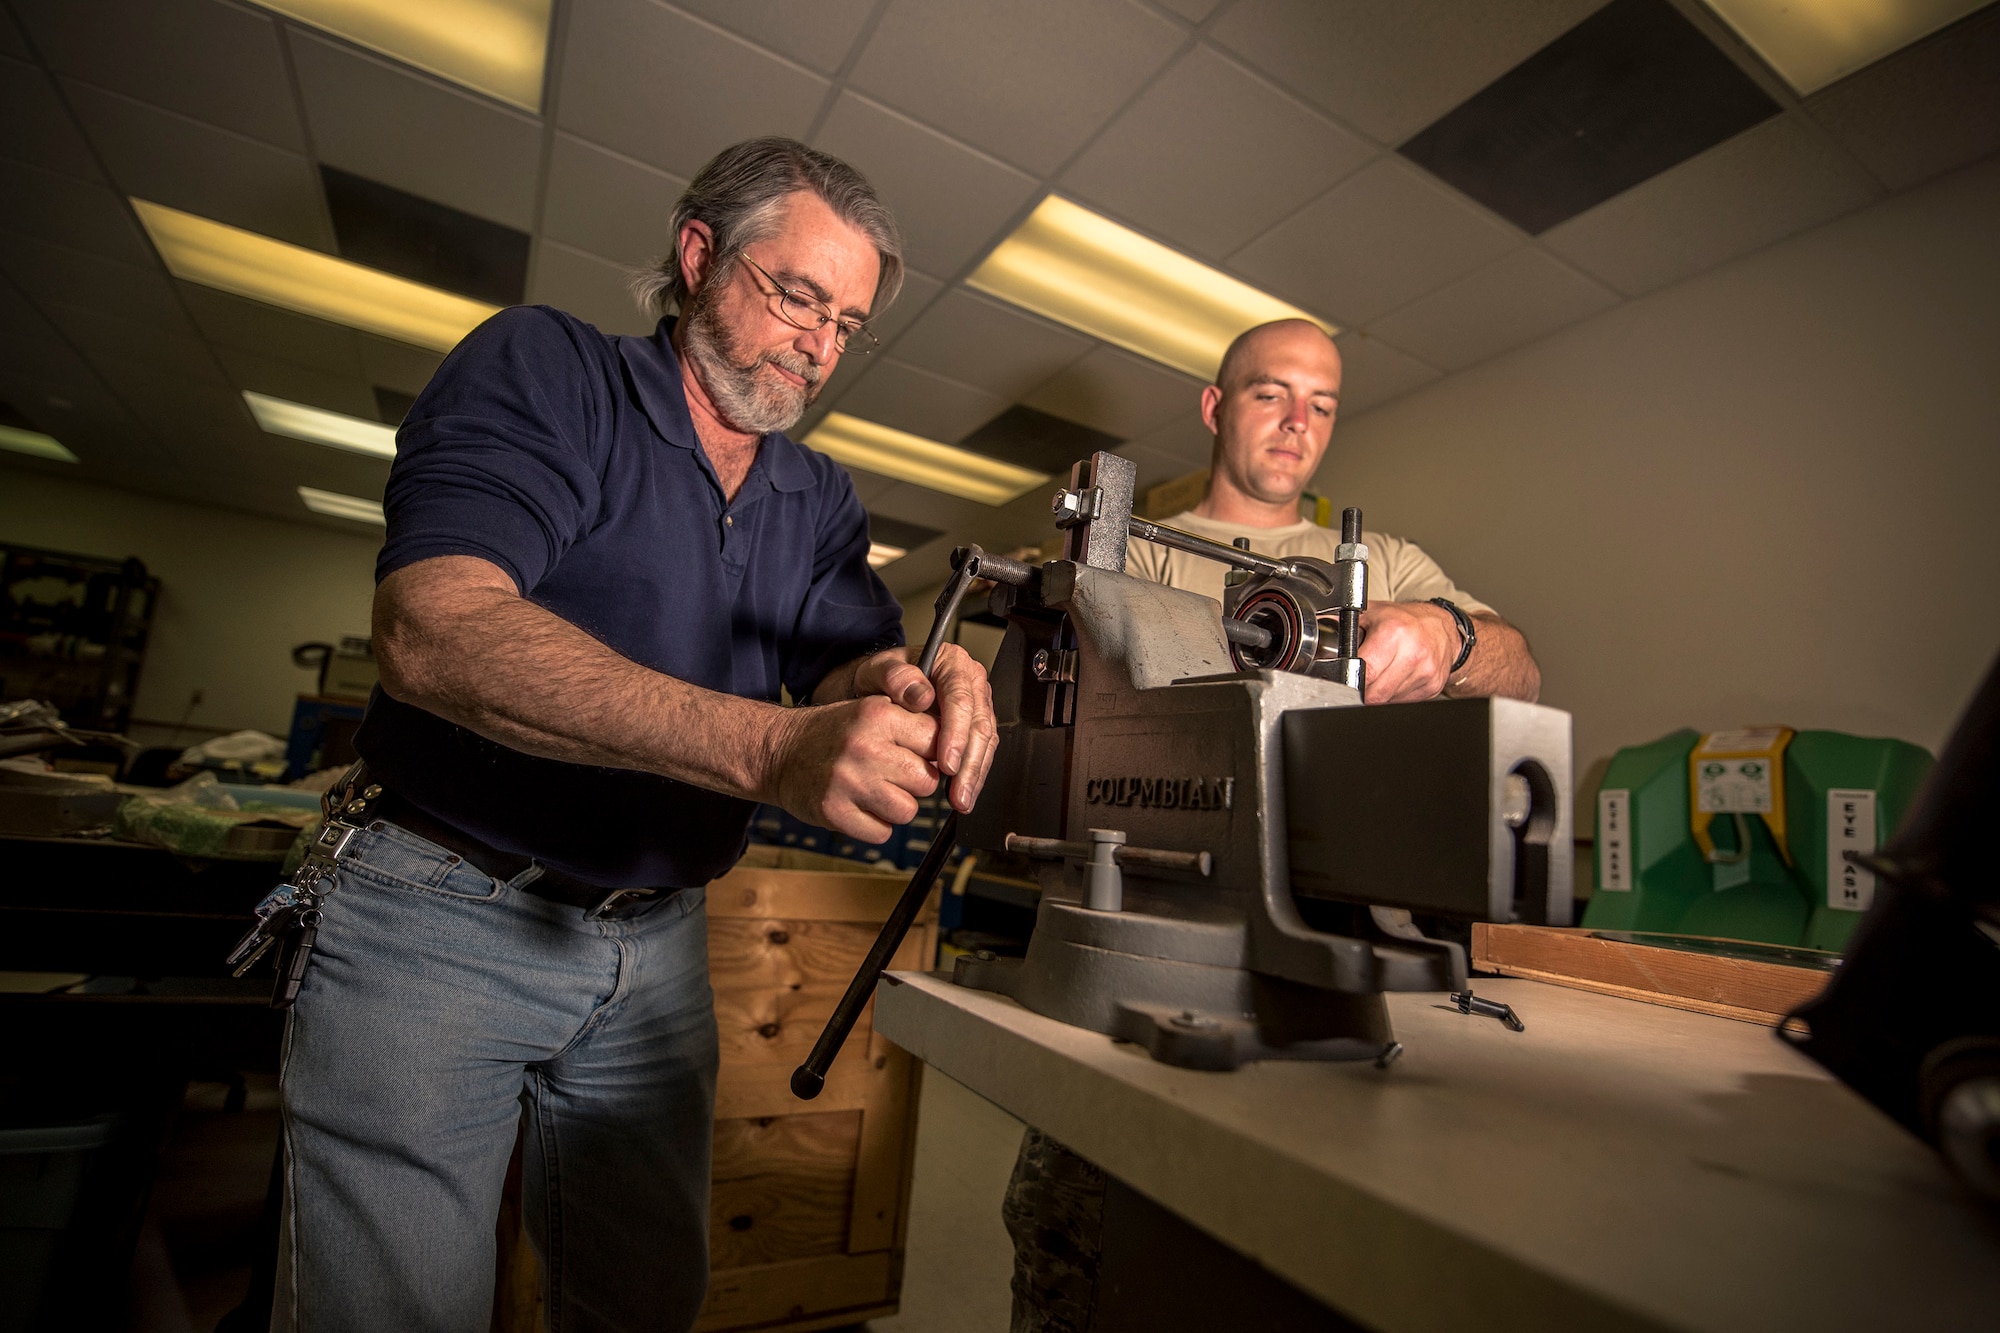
(1055, 1213)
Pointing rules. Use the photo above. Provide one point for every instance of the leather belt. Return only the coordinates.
(595, 900)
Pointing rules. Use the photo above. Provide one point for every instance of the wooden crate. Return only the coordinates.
(810, 1199)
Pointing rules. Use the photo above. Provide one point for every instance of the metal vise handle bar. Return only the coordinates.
(810, 1078)
(1156, 858)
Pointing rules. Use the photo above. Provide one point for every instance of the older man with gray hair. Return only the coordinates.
(604, 561)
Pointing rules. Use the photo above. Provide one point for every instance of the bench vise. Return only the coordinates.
(1232, 851)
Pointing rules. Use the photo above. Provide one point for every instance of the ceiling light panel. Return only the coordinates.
(1813, 43)
(881, 553)
(37, 445)
(922, 462)
(320, 426)
(497, 47)
(1085, 271)
(336, 505)
(245, 264)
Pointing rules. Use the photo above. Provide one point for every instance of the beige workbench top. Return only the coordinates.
(1617, 1165)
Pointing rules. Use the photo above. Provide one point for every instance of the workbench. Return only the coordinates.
(1618, 1165)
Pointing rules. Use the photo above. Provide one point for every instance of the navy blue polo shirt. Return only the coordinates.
(567, 458)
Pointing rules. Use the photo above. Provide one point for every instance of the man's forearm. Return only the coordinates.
(499, 665)
(1501, 664)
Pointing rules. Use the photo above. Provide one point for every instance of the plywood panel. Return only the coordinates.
(779, 951)
(783, 1186)
(765, 1026)
(768, 1293)
(881, 1181)
(825, 896)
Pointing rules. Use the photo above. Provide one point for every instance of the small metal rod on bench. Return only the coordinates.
(809, 1079)
(1153, 858)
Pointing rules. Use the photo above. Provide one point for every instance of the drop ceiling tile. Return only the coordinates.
(12, 43)
(404, 129)
(69, 212)
(1211, 155)
(950, 201)
(671, 90)
(1184, 440)
(1632, 91)
(42, 356)
(1373, 372)
(1154, 467)
(36, 128)
(1068, 65)
(349, 393)
(818, 35)
(1513, 300)
(931, 509)
(1379, 239)
(1117, 393)
(1760, 187)
(867, 485)
(919, 290)
(395, 365)
(987, 345)
(184, 163)
(216, 62)
(100, 337)
(298, 463)
(251, 326)
(1194, 11)
(18, 315)
(179, 410)
(902, 397)
(590, 288)
(60, 396)
(607, 203)
(118, 291)
(1389, 70)
(1925, 110)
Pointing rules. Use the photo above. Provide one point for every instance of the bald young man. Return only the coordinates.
(1272, 409)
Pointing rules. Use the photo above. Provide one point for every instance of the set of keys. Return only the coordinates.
(292, 929)
(289, 919)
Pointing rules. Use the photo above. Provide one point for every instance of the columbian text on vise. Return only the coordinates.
(1162, 793)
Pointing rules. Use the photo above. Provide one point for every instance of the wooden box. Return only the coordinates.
(810, 1199)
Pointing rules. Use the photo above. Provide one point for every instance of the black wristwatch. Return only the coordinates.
(1466, 632)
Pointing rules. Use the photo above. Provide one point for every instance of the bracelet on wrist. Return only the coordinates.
(1467, 633)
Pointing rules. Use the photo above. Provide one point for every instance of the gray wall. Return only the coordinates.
(236, 592)
(1767, 493)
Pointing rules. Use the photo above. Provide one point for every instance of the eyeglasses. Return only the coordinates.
(807, 312)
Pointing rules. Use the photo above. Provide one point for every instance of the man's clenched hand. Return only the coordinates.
(961, 697)
(859, 762)
(857, 766)
(1409, 648)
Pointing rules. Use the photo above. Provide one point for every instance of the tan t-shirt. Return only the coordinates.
(1398, 571)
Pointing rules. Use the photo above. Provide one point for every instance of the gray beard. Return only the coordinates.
(753, 403)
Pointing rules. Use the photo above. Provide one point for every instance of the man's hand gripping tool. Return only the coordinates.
(970, 564)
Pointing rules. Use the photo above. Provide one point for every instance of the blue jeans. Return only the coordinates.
(440, 1004)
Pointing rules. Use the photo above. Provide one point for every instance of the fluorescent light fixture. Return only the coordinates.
(277, 273)
(912, 458)
(497, 47)
(881, 553)
(1815, 42)
(321, 426)
(37, 445)
(343, 506)
(1067, 263)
